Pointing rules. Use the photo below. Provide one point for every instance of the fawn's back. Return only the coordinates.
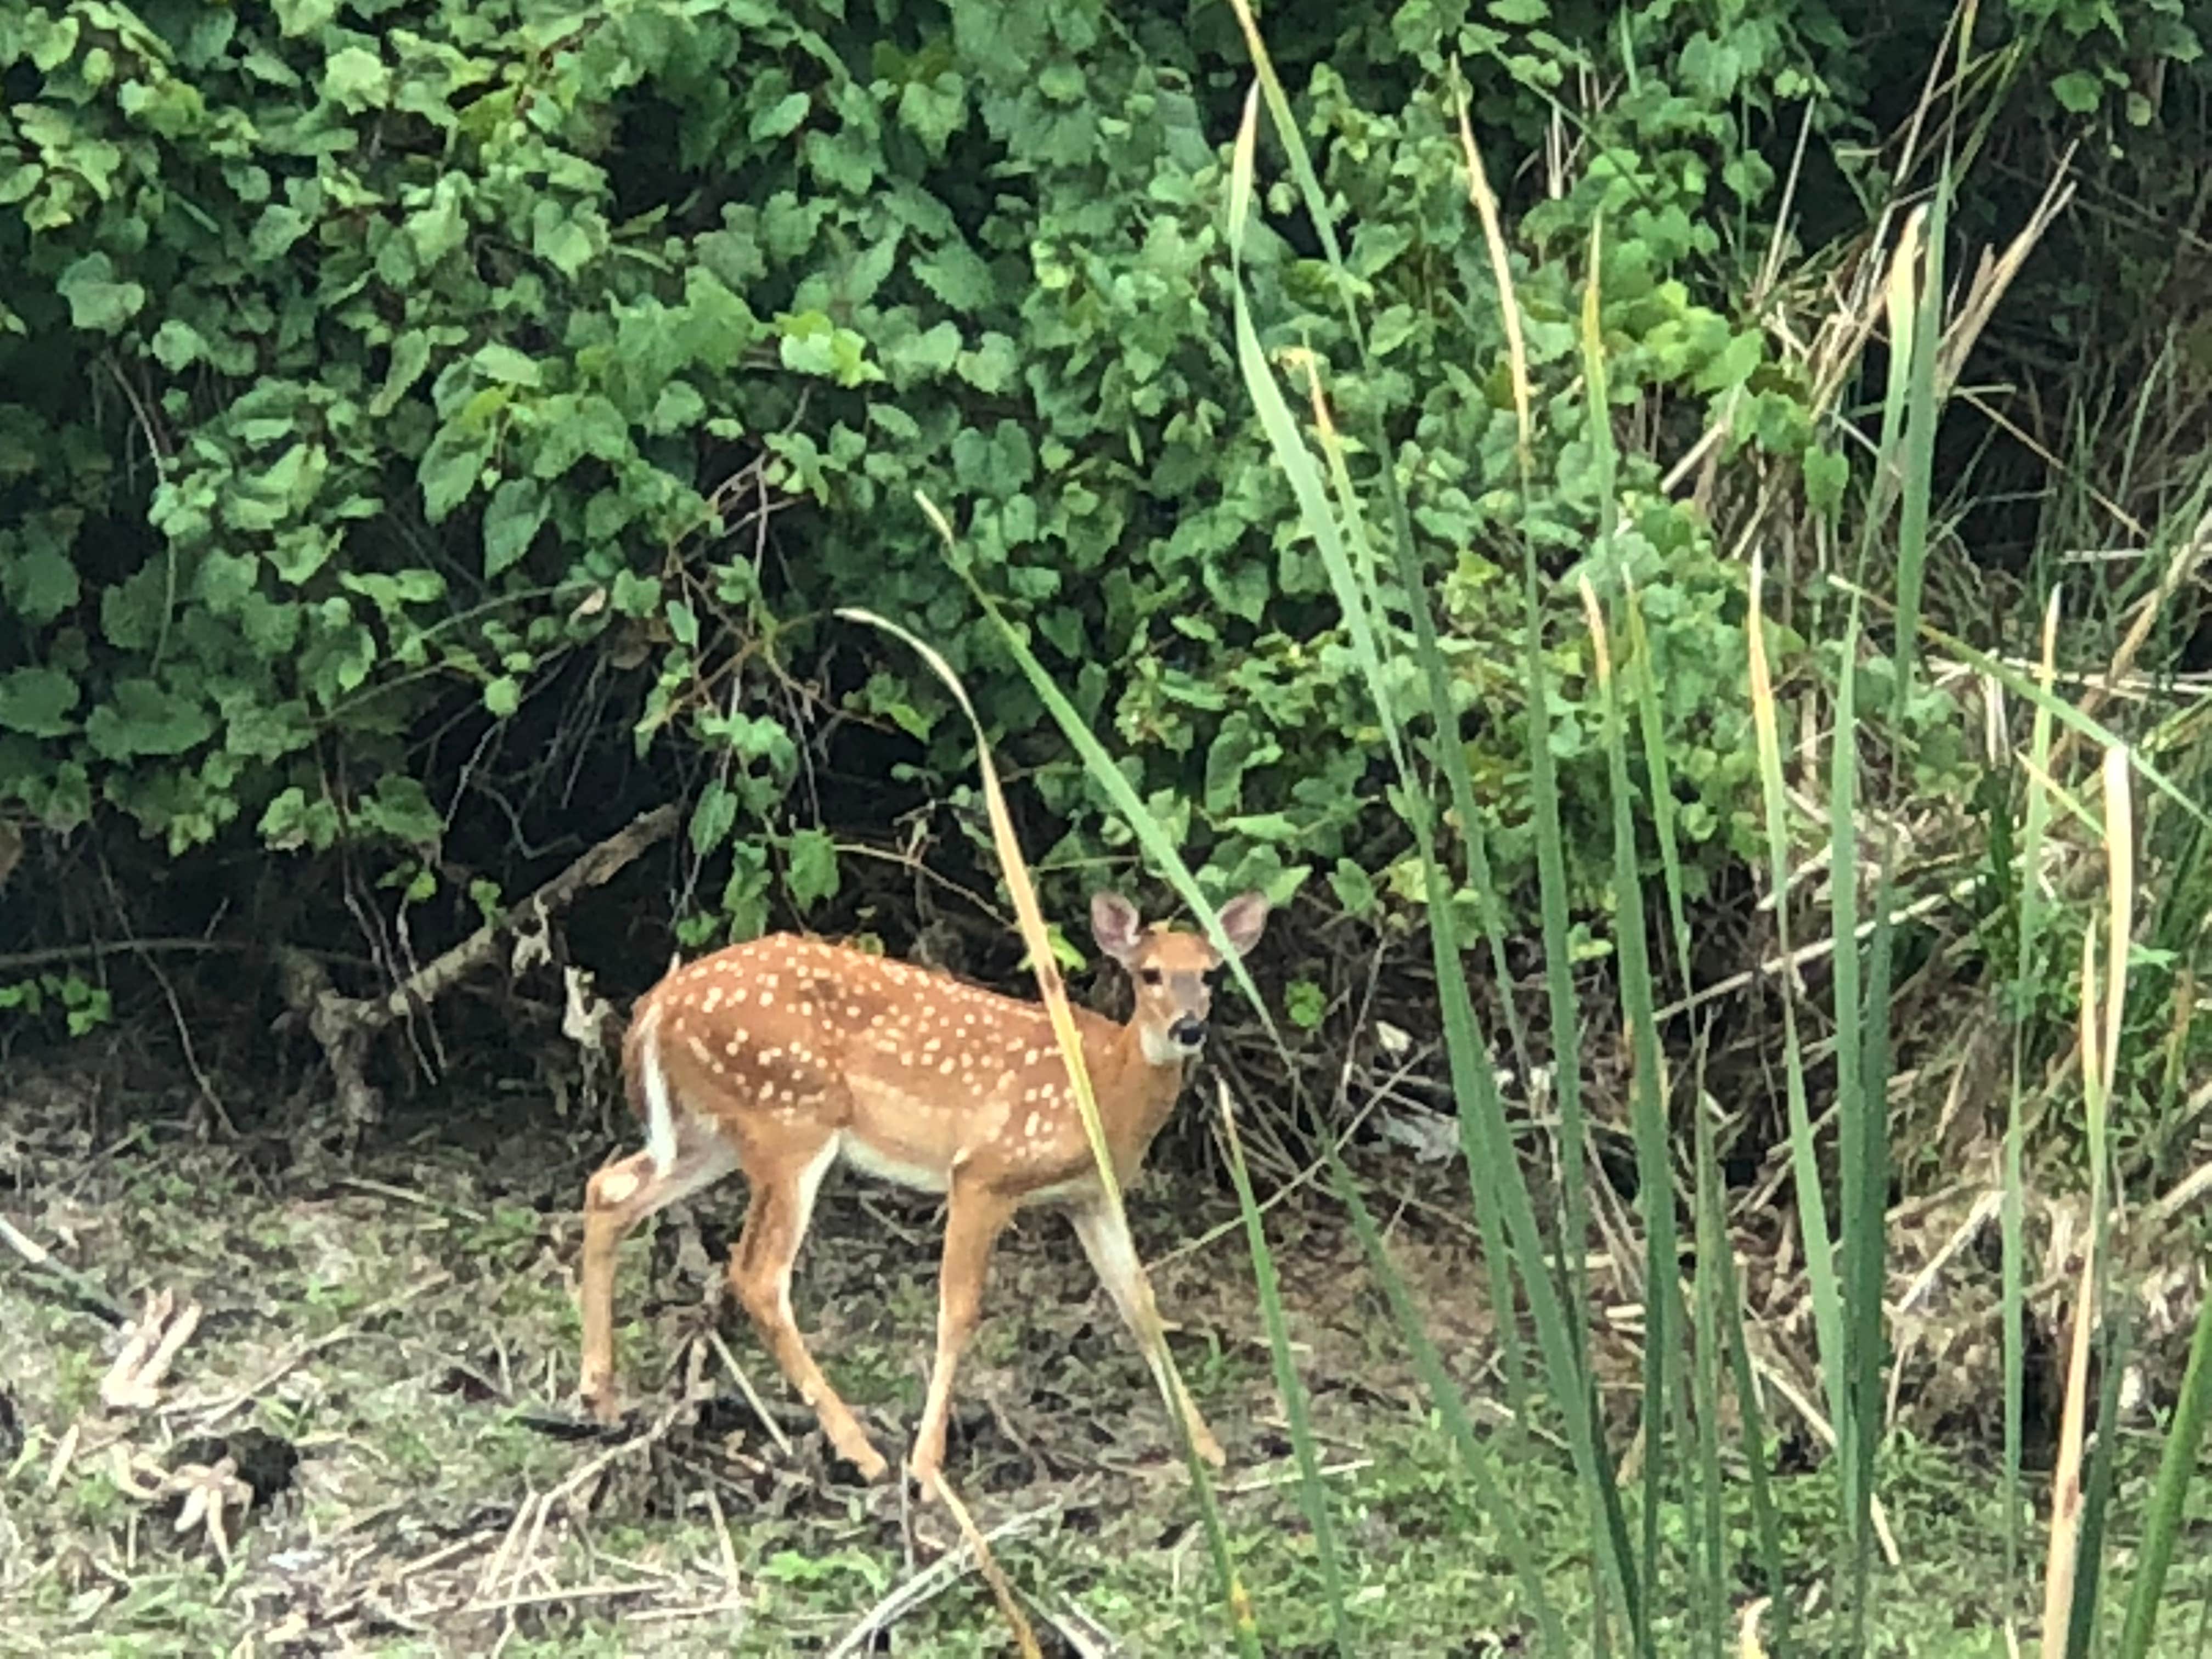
(775, 1042)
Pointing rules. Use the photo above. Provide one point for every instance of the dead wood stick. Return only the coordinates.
(342, 1025)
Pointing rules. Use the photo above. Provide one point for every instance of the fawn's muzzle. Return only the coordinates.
(1188, 1032)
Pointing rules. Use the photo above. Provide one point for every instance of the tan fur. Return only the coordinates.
(782, 1055)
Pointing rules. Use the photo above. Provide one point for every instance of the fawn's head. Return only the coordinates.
(1171, 968)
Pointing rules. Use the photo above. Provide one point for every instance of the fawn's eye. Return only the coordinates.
(1151, 975)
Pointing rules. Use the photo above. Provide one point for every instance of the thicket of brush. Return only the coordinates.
(1694, 515)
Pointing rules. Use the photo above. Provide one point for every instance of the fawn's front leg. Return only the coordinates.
(975, 1216)
(1105, 1234)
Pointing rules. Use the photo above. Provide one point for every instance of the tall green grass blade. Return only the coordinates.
(1562, 1013)
(1477, 1091)
(1486, 1137)
(1804, 1161)
(1313, 1493)
(2177, 1468)
(1713, 1290)
(1709, 1239)
(1358, 591)
(1356, 599)
(2102, 1026)
(1014, 870)
(2012, 1245)
(1161, 848)
(1655, 1183)
(1655, 1166)
(2097, 1499)
(1853, 1431)
(1765, 1521)
(1863, 1040)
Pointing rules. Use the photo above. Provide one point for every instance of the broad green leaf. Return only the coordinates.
(780, 118)
(275, 232)
(990, 367)
(712, 817)
(300, 17)
(141, 717)
(39, 583)
(635, 595)
(1000, 463)
(400, 808)
(511, 522)
(956, 275)
(678, 408)
(497, 360)
(812, 345)
(255, 728)
(356, 79)
(132, 611)
(450, 469)
(38, 702)
(2078, 91)
(1826, 471)
(271, 626)
(580, 426)
(789, 225)
(225, 579)
(1354, 888)
(813, 874)
(302, 549)
(177, 345)
(1239, 745)
(934, 110)
(926, 354)
(438, 230)
(410, 356)
(96, 299)
(558, 238)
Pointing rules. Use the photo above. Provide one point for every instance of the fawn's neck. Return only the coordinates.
(1121, 1071)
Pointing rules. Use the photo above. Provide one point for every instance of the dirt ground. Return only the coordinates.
(366, 1439)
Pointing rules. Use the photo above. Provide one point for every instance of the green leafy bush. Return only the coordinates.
(364, 363)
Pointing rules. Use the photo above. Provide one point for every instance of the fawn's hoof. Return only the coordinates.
(599, 1399)
(856, 1449)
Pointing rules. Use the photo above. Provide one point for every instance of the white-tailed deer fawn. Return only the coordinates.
(778, 1057)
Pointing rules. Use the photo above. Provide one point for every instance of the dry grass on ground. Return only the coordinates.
(368, 1439)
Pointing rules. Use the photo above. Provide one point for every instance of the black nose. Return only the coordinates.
(1189, 1031)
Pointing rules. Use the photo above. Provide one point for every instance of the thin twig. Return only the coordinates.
(930, 1581)
(744, 1387)
(210, 1413)
(81, 1291)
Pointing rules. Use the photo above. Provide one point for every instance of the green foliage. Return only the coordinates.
(356, 375)
(84, 1007)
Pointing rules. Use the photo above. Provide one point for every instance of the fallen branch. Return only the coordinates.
(343, 1026)
(75, 1288)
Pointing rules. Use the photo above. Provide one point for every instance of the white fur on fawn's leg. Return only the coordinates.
(659, 1111)
(618, 1186)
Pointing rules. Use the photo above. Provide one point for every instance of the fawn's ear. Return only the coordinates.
(1242, 920)
(1116, 926)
